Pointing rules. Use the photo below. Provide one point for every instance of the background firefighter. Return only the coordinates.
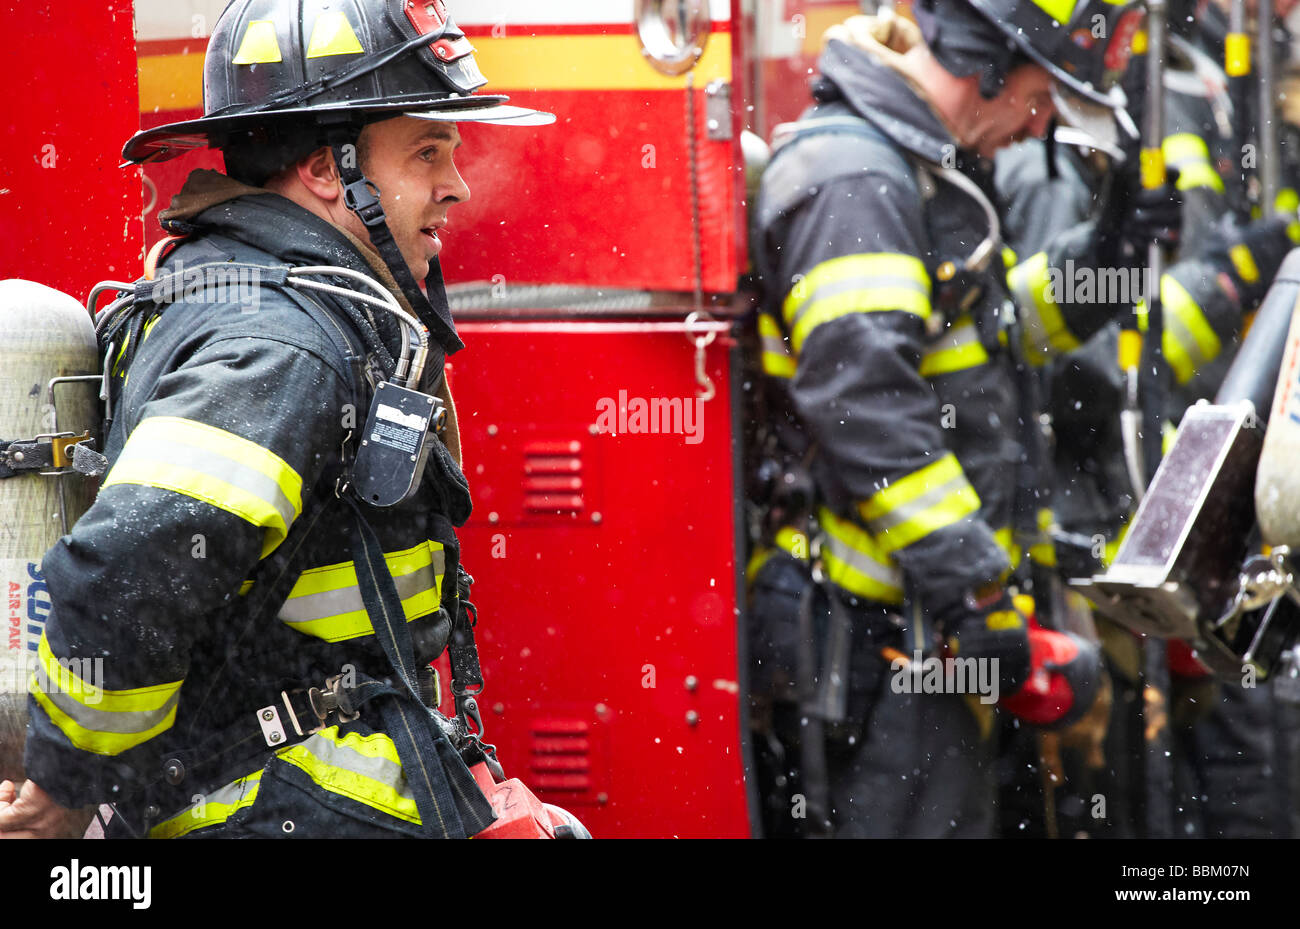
(883, 335)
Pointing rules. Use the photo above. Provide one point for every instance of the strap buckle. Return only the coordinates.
(335, 698)
(362, 197)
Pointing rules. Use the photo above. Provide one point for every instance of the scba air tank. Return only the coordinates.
(44, 334)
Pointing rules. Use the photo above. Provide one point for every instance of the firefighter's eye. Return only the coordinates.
(430, 153)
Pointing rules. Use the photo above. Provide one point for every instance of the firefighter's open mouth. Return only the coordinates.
(434, 243)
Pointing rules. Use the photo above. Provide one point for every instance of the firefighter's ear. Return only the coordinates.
(318, 173)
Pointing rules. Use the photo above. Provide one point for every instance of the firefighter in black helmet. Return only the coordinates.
(264, 595)
(892, 359)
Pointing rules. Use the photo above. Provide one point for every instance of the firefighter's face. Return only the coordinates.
(1021, 111)
(412, 161)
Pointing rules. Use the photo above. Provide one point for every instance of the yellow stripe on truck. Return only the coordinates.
(549, 62)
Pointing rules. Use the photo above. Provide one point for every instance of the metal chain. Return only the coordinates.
(701, 339)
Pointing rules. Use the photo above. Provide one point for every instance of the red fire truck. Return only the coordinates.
(595, 282)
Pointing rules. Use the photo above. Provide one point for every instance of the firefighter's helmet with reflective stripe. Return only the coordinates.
(329, 61)
(1084, 44)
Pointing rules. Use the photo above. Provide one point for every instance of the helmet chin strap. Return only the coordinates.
(361, 196)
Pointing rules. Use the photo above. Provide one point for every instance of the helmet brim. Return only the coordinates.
(163, 143)
(1104, 124)
(496, 115)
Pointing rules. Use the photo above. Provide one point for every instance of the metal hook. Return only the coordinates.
(701, 340)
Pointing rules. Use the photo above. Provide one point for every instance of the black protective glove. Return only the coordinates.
(1135, 217)
(985, 624)
(1250, 255)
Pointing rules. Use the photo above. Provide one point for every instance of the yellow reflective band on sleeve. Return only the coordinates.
(936, 496)
(776, 358)
(1191, 156)
(1236, 54)
(1189, 341)
(364, 768)
(874, 283)
(1006, 541)
(1009, 256)
(94, 719)
(1059, 10)
(1288, 201)
(259, 46)
(211, 810)
(215, 466)
(1244, 262)
(761, 556)
(245, 587)
(1045, 332)
(326, 602)
(957, 349)
(853, 561)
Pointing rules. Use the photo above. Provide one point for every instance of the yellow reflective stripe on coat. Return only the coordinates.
(1287, 202)
(326, 602)
(775, 352)
(852, 560)
(215, 466)
(793, 542)
(364, 768)
(1189, 341)
(1191, 156)
(908, 510)
(94, 719)
(957, 349)
(1041, 548)
(1045, 332)
(1006, 539)
(215, 808)
(873, 283)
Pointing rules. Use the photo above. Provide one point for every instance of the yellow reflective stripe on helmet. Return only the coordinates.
(852, 560)
(958, 349)
(94, 719)
(1189, 341)
(215, 466)
(326, 602)
(1006, 541)
(215, 808)
(364, 768)
(776, 358)
(333, 35)
(1059, 10)
(1191, 156)
(259, 46)
(936, 496)
(871, 283)
(1045, 332)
